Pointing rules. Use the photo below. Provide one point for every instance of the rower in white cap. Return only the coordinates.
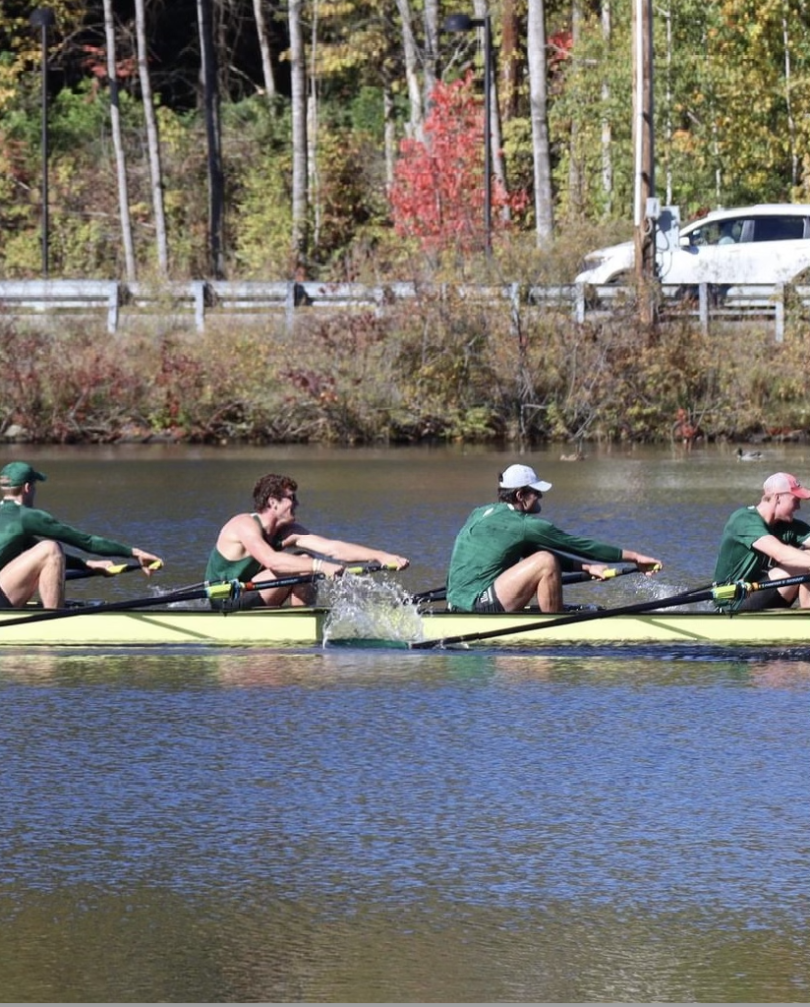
(506, 555)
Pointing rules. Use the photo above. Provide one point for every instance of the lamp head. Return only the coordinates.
(461, 22)
(42, 17)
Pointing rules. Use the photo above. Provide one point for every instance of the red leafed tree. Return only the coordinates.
(438, 192)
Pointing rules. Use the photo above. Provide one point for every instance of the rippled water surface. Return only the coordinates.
(341, 825)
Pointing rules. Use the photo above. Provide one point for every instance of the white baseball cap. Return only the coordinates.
(518, 476)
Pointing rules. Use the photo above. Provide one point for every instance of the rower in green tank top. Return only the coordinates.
(251, 546)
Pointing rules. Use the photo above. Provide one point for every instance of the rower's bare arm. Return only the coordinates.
(347, 552)
(242, 536)
(646, 564)
(149, 561)
(781, 553)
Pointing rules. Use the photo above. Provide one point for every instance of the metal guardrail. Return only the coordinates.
(206, 298)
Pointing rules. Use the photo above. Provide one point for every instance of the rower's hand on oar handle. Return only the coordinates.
(148, 561)
(105, 566)
(599, 571)
(327, 568)
(647, 565)
(388, 561)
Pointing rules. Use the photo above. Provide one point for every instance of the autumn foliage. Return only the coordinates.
(438, 191)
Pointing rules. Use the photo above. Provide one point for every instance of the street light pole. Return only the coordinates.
(43, 17)
(463, 22)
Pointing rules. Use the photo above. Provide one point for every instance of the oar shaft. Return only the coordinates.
(723, 592)
(208, 590)
(568, 620)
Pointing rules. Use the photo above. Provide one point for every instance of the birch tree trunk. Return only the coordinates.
(575, 195)
(510, 61)
(389, 118)
(313, 177)
(152, 139)
(213, 135)
(607, 132)
(430, 58)
(299, 133)
(118, 146)
(264, 49)
(538, 91)
(417, 117)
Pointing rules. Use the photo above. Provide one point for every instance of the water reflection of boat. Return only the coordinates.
(311, 626)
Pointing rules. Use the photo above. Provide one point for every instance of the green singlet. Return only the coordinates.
(221, 569)
(22, 527)
(496, 537)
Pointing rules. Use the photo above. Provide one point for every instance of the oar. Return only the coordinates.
(722, 592)
(219, 590)
(108, 571)
(572, 577)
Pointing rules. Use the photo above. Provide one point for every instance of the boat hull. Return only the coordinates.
(309, 627)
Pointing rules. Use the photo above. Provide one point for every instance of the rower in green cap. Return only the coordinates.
(31, 555)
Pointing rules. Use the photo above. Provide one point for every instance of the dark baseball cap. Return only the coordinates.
(18, 474)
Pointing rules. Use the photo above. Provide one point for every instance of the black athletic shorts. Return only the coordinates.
(487, 601)
(769, 597)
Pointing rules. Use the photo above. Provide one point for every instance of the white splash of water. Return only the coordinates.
(362, 608)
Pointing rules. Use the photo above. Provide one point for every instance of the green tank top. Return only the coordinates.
(221, 569)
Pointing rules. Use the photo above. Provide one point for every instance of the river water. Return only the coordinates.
(345, 825)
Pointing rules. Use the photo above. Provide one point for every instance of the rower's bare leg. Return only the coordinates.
(40, 568)
(303, 594)
(802, 592)
(275, 597)
(537, 576)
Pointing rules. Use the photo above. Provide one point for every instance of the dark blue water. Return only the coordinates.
(337, 825)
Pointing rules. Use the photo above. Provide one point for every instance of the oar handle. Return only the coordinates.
(110, 571)
(569, 577)
(236, 586)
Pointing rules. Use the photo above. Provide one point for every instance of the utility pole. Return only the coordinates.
(645, 210)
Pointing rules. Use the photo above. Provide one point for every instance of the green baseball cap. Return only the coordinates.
(18, 474)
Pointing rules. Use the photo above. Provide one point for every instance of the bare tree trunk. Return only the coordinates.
(607, 132)
(120, 160)
(791, 118)
(299, 133)
(313, 178)
(510, 60)
(216, 198)
(538, 88)
(575, 195)
(152, 139)
(431, 54)
(412, 71)
(390, 135)
(264, 49)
